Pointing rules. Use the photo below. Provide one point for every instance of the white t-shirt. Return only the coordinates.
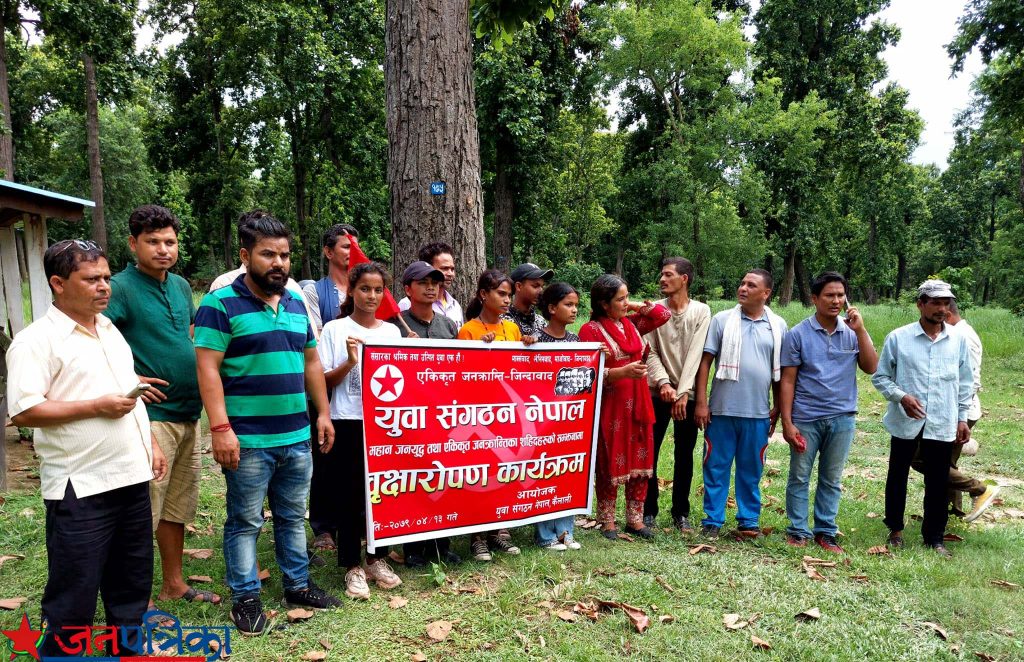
(346, 399)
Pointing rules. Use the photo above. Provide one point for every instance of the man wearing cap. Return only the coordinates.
(925, 374)
(423, 283)
(441, 256)
(529, 282)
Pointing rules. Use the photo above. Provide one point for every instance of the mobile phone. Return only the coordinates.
(647, 352)
(138, 390)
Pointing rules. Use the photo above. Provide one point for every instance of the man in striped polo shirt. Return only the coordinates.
(256, 358)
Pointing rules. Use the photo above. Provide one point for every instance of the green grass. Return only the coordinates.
(495, 606)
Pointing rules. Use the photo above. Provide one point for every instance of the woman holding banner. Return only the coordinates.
(625, 447)
(339, 354)
(558, 304)
(493, 297)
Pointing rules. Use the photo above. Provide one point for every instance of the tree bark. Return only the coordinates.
(803, 283)
(504, 212)
(92, 136)
(788, 275)
(299, 172)
(7, 136)
(432, 134)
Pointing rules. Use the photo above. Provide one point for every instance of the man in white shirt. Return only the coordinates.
(70, 375)
(441, 256)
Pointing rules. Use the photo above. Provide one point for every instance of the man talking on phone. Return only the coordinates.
(818, 403)
(70, 374)
(256, 360)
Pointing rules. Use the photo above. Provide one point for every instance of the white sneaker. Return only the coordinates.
(503, 543)
(571, 543)
(982, 502)
(355, 584)
(380, 572)
(554, 546)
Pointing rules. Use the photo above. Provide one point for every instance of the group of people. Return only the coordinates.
(117, 372)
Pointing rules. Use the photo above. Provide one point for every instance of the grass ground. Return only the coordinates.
(871, 606)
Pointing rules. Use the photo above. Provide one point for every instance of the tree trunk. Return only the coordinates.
(504, 211)
(618, 259)
(432, 135)
(228, 228)
(901, 273)
(299, 172)
(698, 257)
(6, 137)
(871, 290)
(92, 136)
(788, 275)
(803, 283)
(986, 293)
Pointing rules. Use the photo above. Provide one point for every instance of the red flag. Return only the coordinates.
(388, 307)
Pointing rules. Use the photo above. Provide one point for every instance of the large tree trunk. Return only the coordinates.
(504, 211)
(6, 138)
(803, 283)
(92, 137)
(299, 172)
(432, 134)
(901, 273)
(788, 275)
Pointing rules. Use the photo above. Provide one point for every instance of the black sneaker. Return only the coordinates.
(683, 524)
(311, 597)
(449, 557)
(710, 531)
(644, 532)
(247, 615)
(649, 520)
(415, 561)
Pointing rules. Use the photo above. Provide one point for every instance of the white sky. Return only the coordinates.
(920, 64)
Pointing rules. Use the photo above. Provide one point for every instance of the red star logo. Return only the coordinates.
(387, 382)
(24, 640)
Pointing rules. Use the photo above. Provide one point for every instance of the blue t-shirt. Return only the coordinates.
(826, 379)
(746, 397)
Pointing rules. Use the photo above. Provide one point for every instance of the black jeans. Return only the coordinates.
(935, 457)
(323, 495)
(424, 548)
(348, 492)
(684, 437)
(101, 543)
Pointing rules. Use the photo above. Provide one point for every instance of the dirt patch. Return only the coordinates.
(22, 464)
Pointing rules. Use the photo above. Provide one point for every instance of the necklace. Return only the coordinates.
(498, 328)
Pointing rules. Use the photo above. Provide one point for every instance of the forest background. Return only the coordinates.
(742, 136)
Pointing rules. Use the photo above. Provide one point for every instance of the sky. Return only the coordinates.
(920, 64)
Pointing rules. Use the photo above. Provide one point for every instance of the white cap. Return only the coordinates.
(935, 289)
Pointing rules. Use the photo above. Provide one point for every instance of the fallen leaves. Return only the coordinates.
(703, 547)
(12, 603)
(985, 657)
(811, 614)
(637, 617)
(439, 630)
(626, 537)
(297, 615)
(937, 629)
(1002, 583)
(862, 579)
(872, 515)
(586, 609)
(664, 584)
(587, 523)
(880, 549)
(326, 644)
(734, 622)
(314, 656)
(418, 656)
(264, 575)
(201, 579)
(566, 615)
(397, 602)
(812, 573)
(822, 563)
(952, 537)
(760, 643)
(10, 557)
(665, 619)
(200, 554)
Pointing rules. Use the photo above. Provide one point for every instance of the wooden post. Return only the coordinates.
(3, 412)
(35, 242)
(11, 276)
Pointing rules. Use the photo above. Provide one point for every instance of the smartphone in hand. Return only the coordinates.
(138, 390)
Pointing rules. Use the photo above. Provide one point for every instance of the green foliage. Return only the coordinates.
(500, 19)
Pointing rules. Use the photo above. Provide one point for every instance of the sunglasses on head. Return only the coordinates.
(84, 244)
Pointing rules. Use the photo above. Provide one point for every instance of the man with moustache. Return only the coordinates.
(820, 357)
(676, 350)
(153, 310)
(440, 256)
(256, 358)
(745, 344)
(325, 296)
(925, 374)
(70, 373)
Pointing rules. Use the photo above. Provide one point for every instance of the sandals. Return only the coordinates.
(324, 543)
(610, 534)
(192, 595)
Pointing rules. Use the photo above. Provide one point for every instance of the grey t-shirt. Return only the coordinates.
(746, 397)
(440, 327)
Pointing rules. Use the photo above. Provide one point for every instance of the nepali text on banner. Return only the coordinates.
(464, 436)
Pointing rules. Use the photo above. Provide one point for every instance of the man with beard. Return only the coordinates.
(256, 358)
(676, 351)
(925, 374)
(153, 309)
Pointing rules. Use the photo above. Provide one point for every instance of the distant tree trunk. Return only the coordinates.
(618, 259)
(698, 255)
(871, 289)
(785, 290)
(901, 273)
(299, 171)
(1020, 182)
(504, 212)
(228, 227)
(803, 282)
(986, 293)
(432, 134)
(7, 137)
(92, 136)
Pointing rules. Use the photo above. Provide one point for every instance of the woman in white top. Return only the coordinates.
(339, 355)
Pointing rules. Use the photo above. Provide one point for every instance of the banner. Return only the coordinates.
(465, 436)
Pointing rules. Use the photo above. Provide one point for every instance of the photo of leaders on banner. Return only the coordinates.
(462, 437)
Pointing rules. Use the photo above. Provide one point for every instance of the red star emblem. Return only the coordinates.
(387, 382)
(24, 640)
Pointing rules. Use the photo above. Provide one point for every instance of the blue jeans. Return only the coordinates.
(829, 439)
(745, 440)
(281, 473)
(551, 530)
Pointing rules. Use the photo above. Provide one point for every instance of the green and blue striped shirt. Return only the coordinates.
(263, 370)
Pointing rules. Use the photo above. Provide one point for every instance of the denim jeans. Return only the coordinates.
(551, 530)
(829, 439)
(282, 474)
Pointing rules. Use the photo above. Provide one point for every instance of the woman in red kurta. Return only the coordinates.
(625, 449)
